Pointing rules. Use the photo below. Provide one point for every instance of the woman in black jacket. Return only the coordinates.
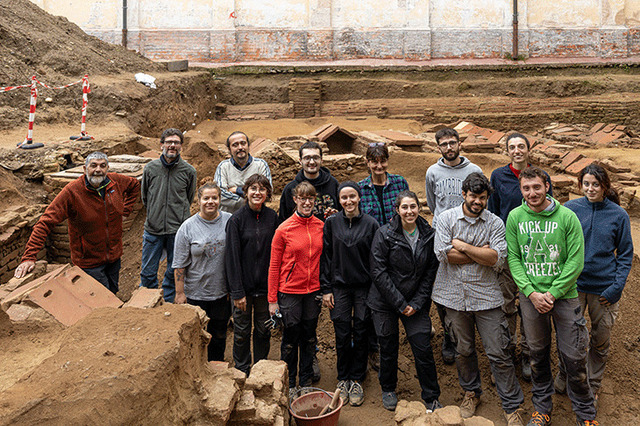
(403, 268)
(249, 234)
(345, 278)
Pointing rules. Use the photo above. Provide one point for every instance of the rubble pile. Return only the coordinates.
(16, 224)
(413, 414)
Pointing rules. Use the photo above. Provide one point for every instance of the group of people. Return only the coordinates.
(497, 249)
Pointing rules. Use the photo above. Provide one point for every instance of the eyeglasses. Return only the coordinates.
(308, 158)
(170, 143)
(305, 200)
(446, 144)
(376, 144)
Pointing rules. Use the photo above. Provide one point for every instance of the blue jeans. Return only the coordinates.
(107, 275)
(152, 246)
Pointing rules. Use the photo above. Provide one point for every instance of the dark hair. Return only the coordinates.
(260, 180)
(447, 132)
(207, 183)
(601, 175)
(237, 133)
(477, 183)
(172, 132)
(377, 152)
(517, 135)
(304, 189)
(309, 145)
(405, 194)
(532, 172)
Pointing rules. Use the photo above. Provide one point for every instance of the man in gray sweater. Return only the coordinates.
(168, 187)
(444, 191)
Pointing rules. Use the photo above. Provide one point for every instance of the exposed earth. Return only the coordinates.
(127, 117)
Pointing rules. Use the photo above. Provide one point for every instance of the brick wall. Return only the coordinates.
(15, 227)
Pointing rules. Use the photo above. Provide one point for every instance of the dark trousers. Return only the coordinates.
(218, 311)
(349, 316)
(300, 316)
(418, 329)
(259, 307)
(107, 275)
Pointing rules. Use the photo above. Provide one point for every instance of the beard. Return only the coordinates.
(172, 154)
(95, 180)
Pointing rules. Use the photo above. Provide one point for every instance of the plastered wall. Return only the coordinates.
(246, 30)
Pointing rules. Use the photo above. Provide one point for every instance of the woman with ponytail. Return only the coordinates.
(607, 262)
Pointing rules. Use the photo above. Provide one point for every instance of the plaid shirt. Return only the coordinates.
(369, 202)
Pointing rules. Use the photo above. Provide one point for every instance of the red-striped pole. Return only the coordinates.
(86, 89)
(32, 110)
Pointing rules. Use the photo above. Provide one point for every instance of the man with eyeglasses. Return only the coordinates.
(320, 177)
(232, 173)
(168, 187)
(444, 191)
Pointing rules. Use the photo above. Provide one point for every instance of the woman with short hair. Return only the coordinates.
(249, 234)
(198, 262)
(294, 284)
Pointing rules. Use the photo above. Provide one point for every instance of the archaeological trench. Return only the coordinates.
(138, 361)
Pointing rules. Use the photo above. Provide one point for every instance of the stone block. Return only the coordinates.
(26, 312)
(478, 421)
(245, 408)
(561, 181)
(267, 377)
(449, 416)
(175, 66)
(145, 298)
(570, 158)
(612, 166)
(576, 167)
(596, 128)
(409, 412)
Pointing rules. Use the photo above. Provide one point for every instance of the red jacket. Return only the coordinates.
(295, 257)
(95, 223)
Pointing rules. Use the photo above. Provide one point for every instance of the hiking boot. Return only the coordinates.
(344, 386)
(374, 360)
(587, 422)
(448, 350)
(433, 406)
(526, 368)
(515, 418)
(539, 419)
(389, 400)
(356, 394)
(560, 383)
(469, 404)
(316, 369)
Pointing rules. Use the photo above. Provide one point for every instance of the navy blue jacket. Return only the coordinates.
(506, 195)
(608, 251)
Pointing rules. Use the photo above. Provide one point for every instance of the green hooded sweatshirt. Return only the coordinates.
(546, 250)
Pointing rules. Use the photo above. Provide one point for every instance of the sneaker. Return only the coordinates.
(469, 404)
(389, 400)
(293, 393)
(515, 418)
(526, 368)
(316, 369)
(344, 386)
(433, 406)
(587, 422)
(374, 360)
(356, 394)
(448, 350)
(539, 419)
(560, 383)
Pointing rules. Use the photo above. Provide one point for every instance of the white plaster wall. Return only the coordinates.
(564, 13)
(272, 14)
(193, 14)
(471, 14)
(363, 14)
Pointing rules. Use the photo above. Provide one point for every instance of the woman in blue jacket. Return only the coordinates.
(607, 261)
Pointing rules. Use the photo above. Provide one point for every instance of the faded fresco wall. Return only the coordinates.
(247, 30)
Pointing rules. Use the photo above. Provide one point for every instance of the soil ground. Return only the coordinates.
(127, 117)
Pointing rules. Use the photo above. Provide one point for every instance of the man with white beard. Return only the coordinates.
(95, 205)
(168, 187)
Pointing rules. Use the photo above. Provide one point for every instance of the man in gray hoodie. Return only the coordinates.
(168, 187)
(444, 191)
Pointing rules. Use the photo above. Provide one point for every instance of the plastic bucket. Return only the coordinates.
(305, 409)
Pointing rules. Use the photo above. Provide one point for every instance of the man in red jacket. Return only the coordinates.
(95, 204)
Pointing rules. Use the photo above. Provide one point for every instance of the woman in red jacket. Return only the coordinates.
(294, 284)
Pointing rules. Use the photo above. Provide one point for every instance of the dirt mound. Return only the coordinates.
(33, 41)
(10, 194)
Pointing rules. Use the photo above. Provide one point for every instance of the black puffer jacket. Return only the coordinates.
(401, 278)
(346, 251)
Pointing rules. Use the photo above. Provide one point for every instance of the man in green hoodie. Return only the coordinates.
(546, 255)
